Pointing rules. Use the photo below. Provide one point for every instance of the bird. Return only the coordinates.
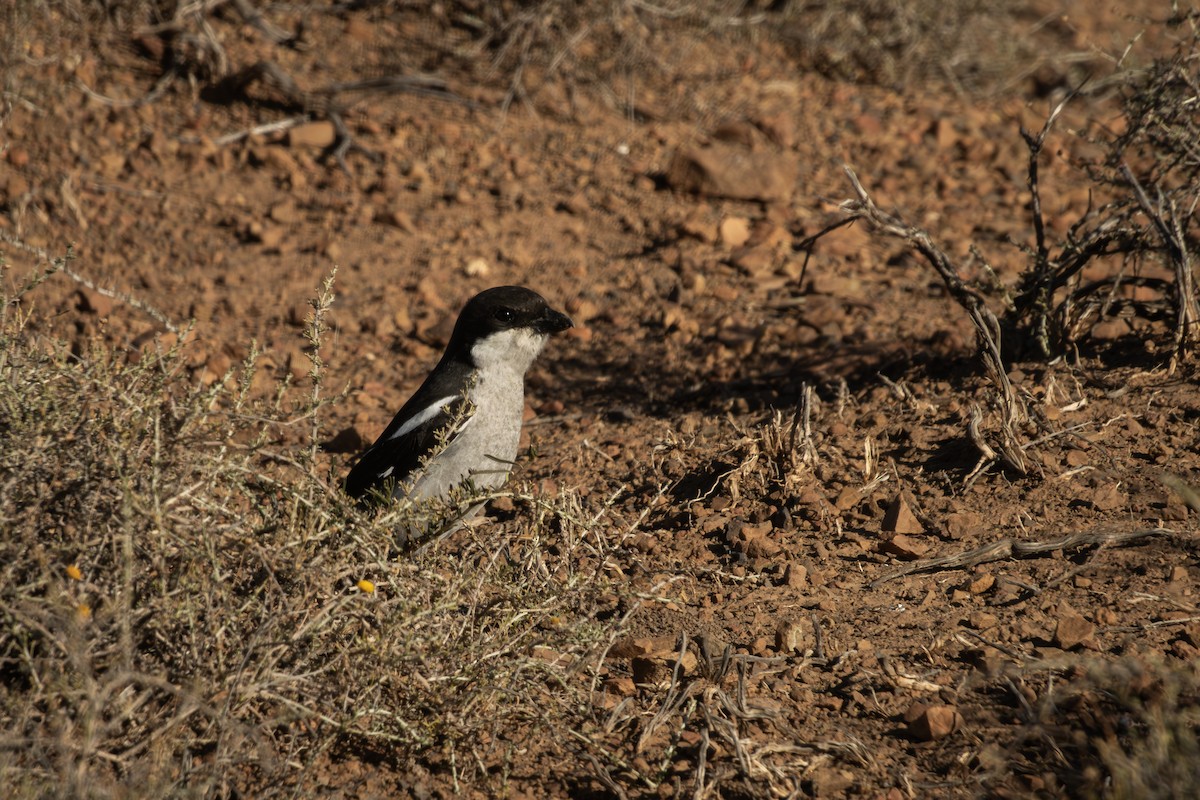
(460, 430)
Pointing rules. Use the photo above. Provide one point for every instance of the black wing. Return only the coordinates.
(398, 452)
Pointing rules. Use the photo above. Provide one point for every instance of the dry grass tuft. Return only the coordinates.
(186, 607)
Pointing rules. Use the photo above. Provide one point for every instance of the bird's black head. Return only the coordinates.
(505, 308)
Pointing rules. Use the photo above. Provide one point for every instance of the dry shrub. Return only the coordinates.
(903, 43)
(188, 607)
(639, 57)
(1129, 254)
(886, 42)
(1136, 241)
(1123, 730)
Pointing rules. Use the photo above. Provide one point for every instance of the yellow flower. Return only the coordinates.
(366, 586)
(74, 574)
(84, 611)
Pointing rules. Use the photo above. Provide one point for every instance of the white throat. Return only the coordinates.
(511, 351)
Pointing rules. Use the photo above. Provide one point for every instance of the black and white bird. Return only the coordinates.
(462, 427)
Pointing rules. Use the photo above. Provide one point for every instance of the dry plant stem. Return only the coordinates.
(1165, 218)
(198, 8)
(987, 327)
(807, 243)
(314, 330)
(255, 19)
(157, 91)
(1043, 275)
(1012, 548)
(61, 265)
(603, 775)
(260, 130)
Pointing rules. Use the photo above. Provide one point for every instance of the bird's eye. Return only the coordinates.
(504, 314)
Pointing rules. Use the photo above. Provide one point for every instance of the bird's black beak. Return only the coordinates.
(552, 321)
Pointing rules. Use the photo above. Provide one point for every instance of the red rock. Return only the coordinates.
(359, 29)
(847, 498)
(779, 128)
(1109, 498)
(756, 261)
(789, 637)
(622, 686)
(17, 156)
(963, 523)
(753, 539)
(903, 546)
(286, 213)
(735, 231)
(737, 132)
(271, 236)
(112, 164)
(982, 620)
(943, 133)
(927, 723)
(1072, 629)
(727, 170)
(982, 583)
(629, 647)
(868, 125)
(699, 226)
(320, 133)
(12, 189)
(900, 518)
(795, 576)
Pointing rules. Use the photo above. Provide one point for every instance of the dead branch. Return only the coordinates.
(188, 12)
(807, 244)
(1012, 548)
(987, 328)
(325, 101)
(1042, 274)
(864, 208)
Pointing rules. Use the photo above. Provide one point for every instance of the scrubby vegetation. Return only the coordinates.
(187, 609)
(190, 606)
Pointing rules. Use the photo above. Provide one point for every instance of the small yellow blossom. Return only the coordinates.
(74, 574)
(84, 611)
(366, 586)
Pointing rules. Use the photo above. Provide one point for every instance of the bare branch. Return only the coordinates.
(987, 327)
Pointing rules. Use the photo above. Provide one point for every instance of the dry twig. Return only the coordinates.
(325, 101)
(987, 328)
(1012, 548)
(1165, 218)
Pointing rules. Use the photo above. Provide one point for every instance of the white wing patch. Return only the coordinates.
(420, 419)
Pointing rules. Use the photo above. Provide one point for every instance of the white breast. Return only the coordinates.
(486, 444)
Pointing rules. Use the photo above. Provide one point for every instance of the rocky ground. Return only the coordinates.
(781, 435)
